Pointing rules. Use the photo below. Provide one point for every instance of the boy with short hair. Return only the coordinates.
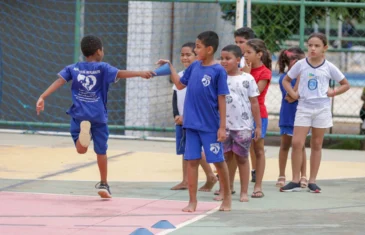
(89, 114)
(204, 115)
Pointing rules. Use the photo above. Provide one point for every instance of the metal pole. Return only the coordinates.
(240, 16)
(302, 23)
(249, 22)
(79, 29)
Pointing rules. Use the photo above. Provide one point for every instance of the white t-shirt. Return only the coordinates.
(180, 96)
(314, 82)
(239, 114)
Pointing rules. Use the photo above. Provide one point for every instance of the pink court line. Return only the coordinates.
(35, 213)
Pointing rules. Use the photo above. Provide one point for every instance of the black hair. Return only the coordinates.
(245, 32)
(209, 38)
(259, 46)
(321, 36)
(236, 50)
(90, 44)
(286, 56)
(191, 45)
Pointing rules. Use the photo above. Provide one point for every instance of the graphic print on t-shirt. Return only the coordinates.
(86, 82)
(206, 80)
(312, 82)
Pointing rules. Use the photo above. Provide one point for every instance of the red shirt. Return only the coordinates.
(262, 73)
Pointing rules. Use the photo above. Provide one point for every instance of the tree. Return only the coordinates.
(277, 23)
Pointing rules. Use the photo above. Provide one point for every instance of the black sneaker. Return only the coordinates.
(253, 176)
(291, 187)
(313, 188)
(103, 190)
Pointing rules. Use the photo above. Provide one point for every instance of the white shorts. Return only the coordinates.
(313, 117)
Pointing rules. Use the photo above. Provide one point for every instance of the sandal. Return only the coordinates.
(254, 194)
(281, 181)
(217, 192)
(303, 182)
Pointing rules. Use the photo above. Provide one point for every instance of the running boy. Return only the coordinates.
(89, 114)
(204, 114)
(242, 107)
(314, 107)
(187, 56)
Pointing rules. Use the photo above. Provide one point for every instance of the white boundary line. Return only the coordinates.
(190, 221)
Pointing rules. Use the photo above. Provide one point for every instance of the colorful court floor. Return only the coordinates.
(47, 188)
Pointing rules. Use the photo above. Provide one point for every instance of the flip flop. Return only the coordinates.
(254, 193)
(217, 192)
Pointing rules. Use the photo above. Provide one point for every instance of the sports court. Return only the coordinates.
(47, 188)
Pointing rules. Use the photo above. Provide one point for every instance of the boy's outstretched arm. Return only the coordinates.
(255, 109)
(175, 78)
(52, 88)
(131, 74)
(222, 113)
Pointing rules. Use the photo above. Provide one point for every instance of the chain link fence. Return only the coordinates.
(38, 39)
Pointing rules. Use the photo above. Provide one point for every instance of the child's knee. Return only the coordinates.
(242, 160)
(81, 150)
(194, 163)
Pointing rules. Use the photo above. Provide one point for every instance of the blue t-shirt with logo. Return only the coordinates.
(204, 85)
(287, 110)
(90, 85)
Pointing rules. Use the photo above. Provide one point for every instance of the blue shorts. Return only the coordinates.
(99, 134)
(287, 130)
(264, 123)
(180, 139)
(212, 148)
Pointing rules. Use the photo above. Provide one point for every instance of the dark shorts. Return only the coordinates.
(99, 134)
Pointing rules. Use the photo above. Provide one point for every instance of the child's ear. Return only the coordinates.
(210, 50)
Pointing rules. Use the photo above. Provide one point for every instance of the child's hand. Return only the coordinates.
(179, 120)
(294, 96)
(257, 133)
(247, 68)
(331, 92)
(40, 105)
(162, 62)
(289, 98)
(147, 74)
(221, 134)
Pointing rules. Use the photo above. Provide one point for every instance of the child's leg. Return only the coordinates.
(100, 135)
(79, 129)
(193, 156)
(244, 171)
(303, 170)
(224, 183)
(316, 152)
(260, 167)
(211, 178)
(184, 183)
(193, 166)
(228, 158)
(299, 136)
(283, 157)
(232, 168)
(253, 163)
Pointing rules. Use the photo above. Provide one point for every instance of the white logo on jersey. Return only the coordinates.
(88, 81)
(206, 80)
(214, 148)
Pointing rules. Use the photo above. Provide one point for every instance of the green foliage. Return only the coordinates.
(276, 23)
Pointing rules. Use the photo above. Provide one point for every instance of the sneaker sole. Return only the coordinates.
(315, 191)
(104, 193)
(84, 136)
(291, 190)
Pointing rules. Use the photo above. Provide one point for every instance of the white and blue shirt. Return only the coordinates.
(90, 85)
(204, 85)
(314, 82)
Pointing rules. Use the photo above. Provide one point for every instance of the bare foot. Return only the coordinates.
(181, 186)
(244, 197)
(218, 198)
(226, 204)
(207, 187)
(191, 207)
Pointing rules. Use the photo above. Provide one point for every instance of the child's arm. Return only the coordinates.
(175, 78)
(222, 113)
(344, 86)
(261, 84)
(52, 88)
(131, 74)
(255, 109)
(287, 86)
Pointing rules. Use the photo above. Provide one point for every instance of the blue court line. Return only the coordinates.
(72, 169)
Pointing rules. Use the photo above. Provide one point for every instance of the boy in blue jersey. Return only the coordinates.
(89, 114)
(204, 115)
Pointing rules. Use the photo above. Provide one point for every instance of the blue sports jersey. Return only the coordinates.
(90, 85)
(287, 110)
(204, 85)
